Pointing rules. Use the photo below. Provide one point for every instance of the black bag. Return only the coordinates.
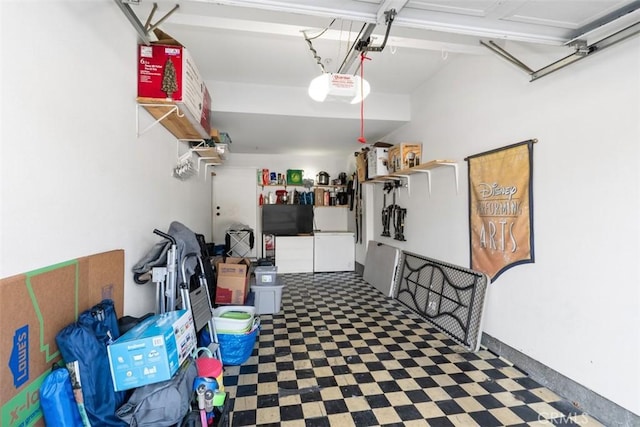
(162, 404)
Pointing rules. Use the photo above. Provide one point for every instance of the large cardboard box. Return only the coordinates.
(35, 306)
(404, 156)
(153, 350)
(232, 284)
(166, 70)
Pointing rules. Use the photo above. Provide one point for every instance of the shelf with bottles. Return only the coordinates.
(331, 186)
(330, 195)
(282, 185)
(291, 178)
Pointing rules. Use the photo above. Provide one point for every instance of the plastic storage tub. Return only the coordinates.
(268, 299)
(233, 318)
(266, 275)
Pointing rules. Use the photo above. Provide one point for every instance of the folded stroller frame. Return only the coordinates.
(169, 295)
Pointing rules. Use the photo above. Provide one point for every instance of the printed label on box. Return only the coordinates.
(19, 361)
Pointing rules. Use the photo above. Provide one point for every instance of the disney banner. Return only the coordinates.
(501, 208)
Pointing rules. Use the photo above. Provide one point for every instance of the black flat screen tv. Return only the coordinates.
(287, 220)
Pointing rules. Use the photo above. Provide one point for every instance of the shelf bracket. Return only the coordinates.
(428, 172)
(408, 182)
(172, 109)
(455, 170)
(207, 164)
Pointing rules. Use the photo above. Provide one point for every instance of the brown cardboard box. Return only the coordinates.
(35, 306)
(377, 162)
(361, 166)
(232, 284)
(215, 134)
(404, 156)
(167, 60)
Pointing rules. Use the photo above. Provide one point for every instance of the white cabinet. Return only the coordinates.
(333, 251)
(294, 254)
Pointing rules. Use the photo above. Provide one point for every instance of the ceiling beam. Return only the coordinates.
(133, 19)
(231, 24)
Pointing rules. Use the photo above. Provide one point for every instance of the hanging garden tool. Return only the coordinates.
(399, 214)
(393, 213)
(386, 210)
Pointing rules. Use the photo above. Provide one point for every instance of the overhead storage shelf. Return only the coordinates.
(173, 116)
(208, 155)
(422, 168)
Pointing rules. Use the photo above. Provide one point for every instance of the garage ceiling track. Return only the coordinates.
(255, 50)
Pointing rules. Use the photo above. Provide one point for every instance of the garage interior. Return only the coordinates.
(85, 169)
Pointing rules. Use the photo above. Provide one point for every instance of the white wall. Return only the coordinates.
(576, 309)
(75, 180)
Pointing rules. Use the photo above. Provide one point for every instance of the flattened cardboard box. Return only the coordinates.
(35, 306)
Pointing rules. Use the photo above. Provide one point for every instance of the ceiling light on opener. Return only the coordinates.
(339, 87)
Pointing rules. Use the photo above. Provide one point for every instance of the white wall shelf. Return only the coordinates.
(206, 155)
(425, 168)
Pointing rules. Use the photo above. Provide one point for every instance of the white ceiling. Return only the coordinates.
(257, 64)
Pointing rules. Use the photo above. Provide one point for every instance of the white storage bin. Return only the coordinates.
(268, 299)
(233, 318)
(266, 275)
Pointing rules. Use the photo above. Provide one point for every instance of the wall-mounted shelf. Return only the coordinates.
(281, 185)
(330, 186)
(206, 155)
(423, 168)
(173, 115)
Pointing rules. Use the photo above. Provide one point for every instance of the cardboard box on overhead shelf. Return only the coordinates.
(361, 166)
(166, 71)
(233, 279)
(404, 156)
(215, 134)
(377, 159)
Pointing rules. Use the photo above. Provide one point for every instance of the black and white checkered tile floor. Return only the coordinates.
(340, 353)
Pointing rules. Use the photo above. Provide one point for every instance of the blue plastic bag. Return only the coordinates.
(235, 349)
(57, 402)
